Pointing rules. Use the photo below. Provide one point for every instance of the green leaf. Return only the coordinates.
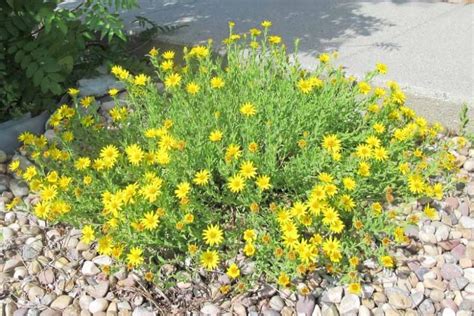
(38, 77)
(32, 68)
(19, 56)
(67, 63)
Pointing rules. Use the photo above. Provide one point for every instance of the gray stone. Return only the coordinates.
(451, 271)
(89, 269)
(442, 233)
(102, 260)
(61, 302)
(349, 304)
(333, 295)
(46, 277)
(469, 165)
(276, 303)
(305, 305)
(417, 298)
(469, 274)
(100, 290)
(330, 310)
(32, 250)
(239, 309)
(448, 312)
(3, 156)
(7, 233)
(98, 86)
(398, 298)
(98, 305)
(141, 311)
(35, 293)
(470, 189)
(364, 311)
(426, 307)
(210, 309)
(12, 263)
(19, 188)
(466, 222)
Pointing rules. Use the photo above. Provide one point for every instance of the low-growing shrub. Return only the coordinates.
(242, 158)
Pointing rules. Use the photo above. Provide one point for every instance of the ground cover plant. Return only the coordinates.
(239, 159)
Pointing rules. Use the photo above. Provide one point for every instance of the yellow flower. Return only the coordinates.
(134, 154)
(82, 163)
(104, 245)
(202, 177)
(364, 87)
(182, 190)
(192, 88)
(387, 261)
(248, 109)
(73, 92)
(283, 279)
(354, 288)
(248, 170)
(135, 257)
(253, 147)
(215, 136)
(172, 80)
(217, 82)
(305, 86)
(168, 54)
(249, 249)
(331, 143)
(324, 58)
(236, 183)
(354, 261)
(87, 101)
(213, 235)
(266, 24)
(113, 92)
(233, 271)
(87, 180)
(430, 212)
(14, 165)
(210, 259)
(141, 80)
(416, 184)
(87, 234)
(167, 65)
(380, 154)
(364, 169)
(249, 235)
(150, 220)
(263, 182)
(153, 52)
(349, 183)
(274, 39)
(381, 68)
(199, 51)
(192, 249)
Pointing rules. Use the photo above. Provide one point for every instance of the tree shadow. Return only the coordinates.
(320, 25)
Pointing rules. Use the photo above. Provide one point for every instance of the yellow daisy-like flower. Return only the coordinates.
(349, 183)
(387, 261)
(430, 212)
(263, 182)
(134, 154)
(266, 24)
(153, 52)
(192, 88)
(73, 92)
(331, 143)
(233, 271)
(88, 235)
(213, 235)
(210, 259)
(182, 190)
(202, 177)
(248, 170)
(87, 101)
(305, 86)
(274, 39)
(381, 68)
(324, 58)
(150, 220)
(217, 83)
(168, 54)
(249, 249)
(354, 288)
(364, 87)
(236, 183)
(82, 163)
(141, 80)
(135, 257)
(215, 136)
(172, 80)
(248, 109)
(283, 279)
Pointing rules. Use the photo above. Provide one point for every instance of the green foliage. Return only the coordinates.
(41, 44)
(463, 119)
(258, 161)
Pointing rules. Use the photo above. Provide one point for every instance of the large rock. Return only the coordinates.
(349, 304)
(398, 298)
(98, 86)
(61, 302)
(450, 271)
(467, 222)
(19, 188)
